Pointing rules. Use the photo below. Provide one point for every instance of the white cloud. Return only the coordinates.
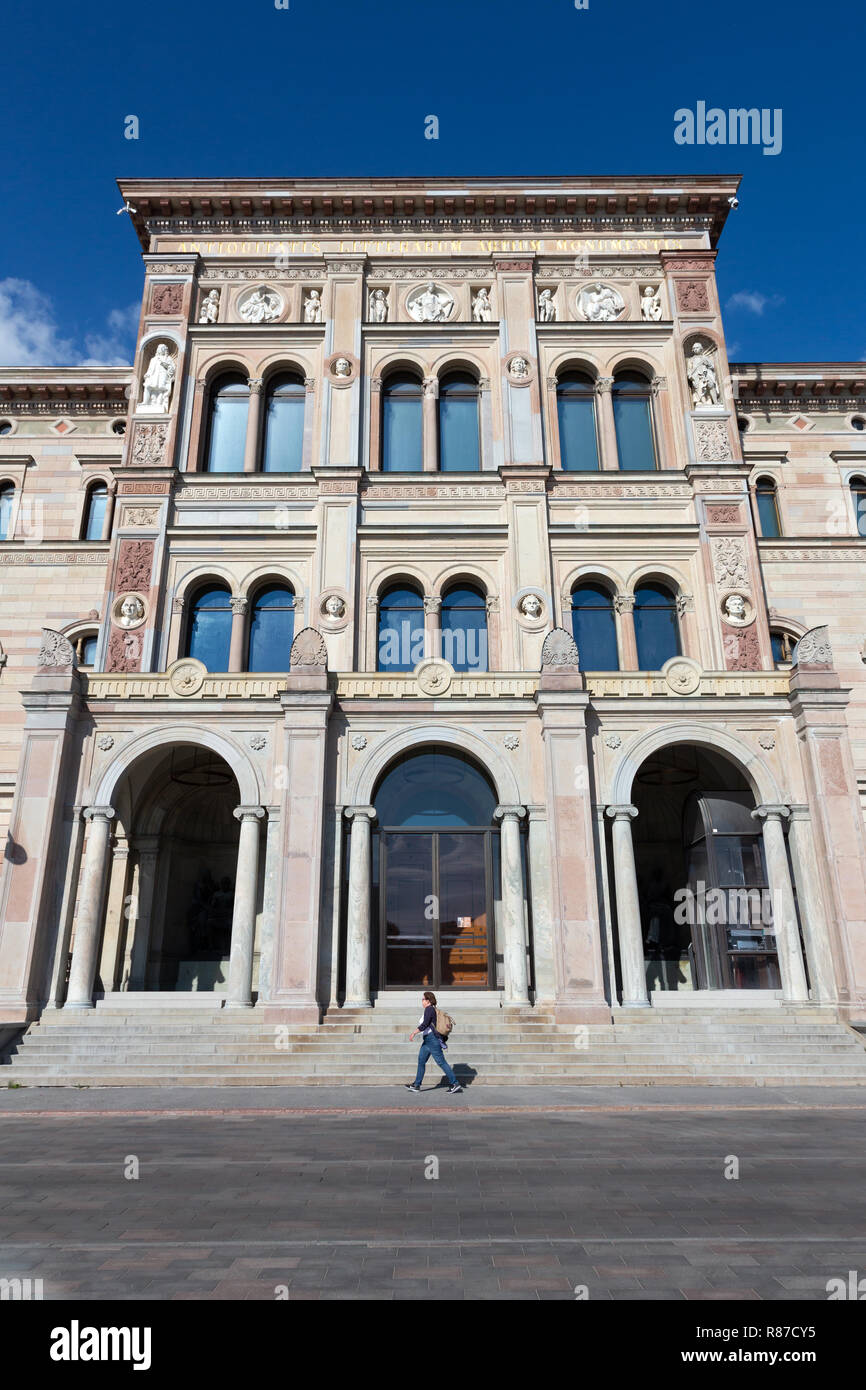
(30, 337)
(754, 302)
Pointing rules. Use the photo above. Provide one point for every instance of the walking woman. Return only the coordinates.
(431, 1046)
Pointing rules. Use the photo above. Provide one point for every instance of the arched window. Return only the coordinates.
(210, 627)
(783, 645)
(227, 424)
(858, 497)
(401, 629)
(768, 510)
(94, 512)
(656, 629)
(7, 502)
(464, 628)
(594, 628)
(283, 445)
(578, 437)
(632, 416)
(272, 629)
(402, 429)
(458, 424)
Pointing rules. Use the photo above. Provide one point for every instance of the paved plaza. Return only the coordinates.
(541, 1193)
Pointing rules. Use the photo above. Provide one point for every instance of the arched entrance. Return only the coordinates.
(435, 864)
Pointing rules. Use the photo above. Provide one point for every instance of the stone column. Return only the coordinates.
(634, 993)
(542, 917)
(689, 634)
(794, 990)
(430, 448)
(86, 949)
(138, 947)
(109, 511)
(662, 423)
(358, 925)
(516, 974)
(606, 427)
(801, 838)
(432, 625)
(116, 918)
(336, 901)
(254, 413)
(239, 607)
(624, 604)
(244, 917)
(67, 908)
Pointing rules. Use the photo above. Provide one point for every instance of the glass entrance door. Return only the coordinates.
(435, 895)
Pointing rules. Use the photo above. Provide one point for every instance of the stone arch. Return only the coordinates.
(459, 573)
(570, 361)
(753, 767)
(275, 364)
(252, 791)
(364, 780)
(628, 361)
(449, 362)
(272, 573)
(665, 574)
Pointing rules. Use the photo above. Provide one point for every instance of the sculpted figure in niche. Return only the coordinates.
(600, 303)
(334, 606)
(530, 606)
(482, 311)
(158, 381)
(261, 307)
(546, 307)
(210, 307)
(701, 372)
(131, 612)
(313, 308)
(651, 305)
(432, 305)
(378, 307)
(519, 367)
(735, 607)
(342, 367)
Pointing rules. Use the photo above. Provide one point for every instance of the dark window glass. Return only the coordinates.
(435, 788)
(575, 404)
(401, 630)
(7, 499)
(227, 431)
(858, 496)
(594, 628)
(94, 520)
(783, 648)
(272, 627)
(283, 446)
(401, 425)
(87, 651)
(633, 420)
(656, 628)
(768, 511)
(464, 629)
(210, 628)
(458, 424)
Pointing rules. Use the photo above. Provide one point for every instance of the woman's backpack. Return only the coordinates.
(444, 1023)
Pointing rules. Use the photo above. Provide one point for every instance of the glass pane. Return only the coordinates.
(284, 429)
(458, 428)
(228, 429)
(435, 788)
(409, 921)
(578, 446)
(594, 628)
(463, 909)
(88, 651)
(633, 432)
(464, 630)
(401, 630)
(859, 497)
(7, 497)
(767, 512)
(96, 505)
(271, 630)
(401, 428)
(211, 630)
(656, 628)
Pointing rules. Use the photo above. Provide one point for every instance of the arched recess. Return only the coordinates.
(252, 791)
(750, 764)
(363, 782)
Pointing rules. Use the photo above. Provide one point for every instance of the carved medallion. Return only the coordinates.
(186, 677)
(433, 677)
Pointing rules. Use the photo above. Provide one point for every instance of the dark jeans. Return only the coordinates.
(432, 1047)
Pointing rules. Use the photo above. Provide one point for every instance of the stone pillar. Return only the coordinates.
(542, 916)
(624, 604)
(86, 949)
(606, 426)
(432, 625)
(662, 423)
(244, 917)
(690, 641)
(109, 511)
(254, 414)
(116, 918)
(336, 901)
(358, 925)
(801, 839)
(516, 973)
(67, 909)
(430, 448)
(794, 990)
(137, 949)
(239, 607)
(270, 902)
(634, 992)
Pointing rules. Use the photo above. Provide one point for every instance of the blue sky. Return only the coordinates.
(227, 89)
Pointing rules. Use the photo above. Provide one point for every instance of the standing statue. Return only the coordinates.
(651, 305)
(158, 381)
(701, 373)
(210, 307)
(378, 307)
(313, 308)
(546, 307)
(482, 311)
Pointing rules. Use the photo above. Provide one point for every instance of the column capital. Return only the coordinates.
(432, 603)
(509, 813)
(255, 384)
(621, 813)
(362, 812)
(106, 813)
(624, 603)
(238, 604)
(431, 387)
(604, 384)
(771, 812)
(245, 813)
(658, 383)
(800, 812)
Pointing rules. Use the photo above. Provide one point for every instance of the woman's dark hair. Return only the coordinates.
(429, 995)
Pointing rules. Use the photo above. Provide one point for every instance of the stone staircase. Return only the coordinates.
(182, 1046)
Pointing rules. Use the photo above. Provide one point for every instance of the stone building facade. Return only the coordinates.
(432, 603)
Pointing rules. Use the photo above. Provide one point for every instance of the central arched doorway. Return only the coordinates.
(435, 864)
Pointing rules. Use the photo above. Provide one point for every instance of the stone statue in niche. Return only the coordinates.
(342, 367)
(378, 307)
(519, 368)
(210, 307)
(158, 381)
(313, 307)
(651, 305)
(482, 310)
(334, 606)
(263, 306)
(131, 611)
(530, 606)
(546, 307)
(734, 608)
(430, 305)
(701, 373)
(600, 303)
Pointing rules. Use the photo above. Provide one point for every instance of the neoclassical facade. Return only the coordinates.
(433, 604)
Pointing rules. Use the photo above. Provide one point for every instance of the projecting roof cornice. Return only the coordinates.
(799, 381)
(640, 204)
(23, 387)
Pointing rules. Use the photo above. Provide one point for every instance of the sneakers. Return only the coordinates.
(410, 1086)
(452, 1090)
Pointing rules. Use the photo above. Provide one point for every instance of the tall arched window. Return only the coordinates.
(283, 444)
(401, 629)
(858, 497)
(272, 629)
(210, 627)
(464, 628)
(458, 424)
(578, 437)
(768, 509)
(656, 629)
(227, 424)
(7, 502)
(632, 416)
(402, 428)
(94, 512)
(594, 627)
